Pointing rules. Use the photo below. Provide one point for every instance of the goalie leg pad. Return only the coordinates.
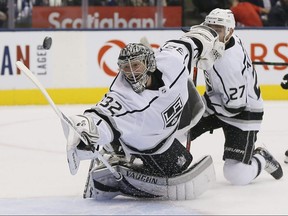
(186, 186)
(189, 185)
(102, 184)
(195, 181)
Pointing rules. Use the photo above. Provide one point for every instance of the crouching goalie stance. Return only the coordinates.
(135, 127)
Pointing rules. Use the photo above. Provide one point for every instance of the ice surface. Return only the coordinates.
(35, 179)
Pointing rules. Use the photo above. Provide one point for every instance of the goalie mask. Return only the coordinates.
(136, 62)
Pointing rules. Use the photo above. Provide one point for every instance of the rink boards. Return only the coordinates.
(80, 65)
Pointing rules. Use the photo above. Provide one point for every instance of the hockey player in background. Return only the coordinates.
(136, 125)
(233, 102)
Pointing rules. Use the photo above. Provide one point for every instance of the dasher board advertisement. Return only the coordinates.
(105, 17)
(80, 65)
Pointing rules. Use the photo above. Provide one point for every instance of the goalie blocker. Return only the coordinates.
(189, 185)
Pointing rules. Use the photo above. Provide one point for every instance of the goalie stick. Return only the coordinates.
(87, 184)
(194, 79)
(73, 160)
(270, 63)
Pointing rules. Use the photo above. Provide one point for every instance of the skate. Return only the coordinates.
(272, 165)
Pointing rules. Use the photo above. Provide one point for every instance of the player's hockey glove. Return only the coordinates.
(207, 41)
(88, 130)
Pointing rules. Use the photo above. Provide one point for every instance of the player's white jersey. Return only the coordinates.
(145, 123)
(232, 90)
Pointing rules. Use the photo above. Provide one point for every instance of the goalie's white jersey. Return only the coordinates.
(232, 90)
(145, 123)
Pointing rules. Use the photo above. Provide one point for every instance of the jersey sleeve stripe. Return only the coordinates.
(133, 111)
(189, 48)
(177, 77)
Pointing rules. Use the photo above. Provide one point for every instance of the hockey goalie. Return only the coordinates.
(132, 135)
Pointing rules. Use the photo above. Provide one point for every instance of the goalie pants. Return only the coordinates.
(239, 145)
(171, 162)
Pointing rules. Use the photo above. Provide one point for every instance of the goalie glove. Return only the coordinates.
(207, 40)
(88, 131)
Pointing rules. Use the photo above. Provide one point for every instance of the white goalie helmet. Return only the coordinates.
(136, 61)
(222, 17)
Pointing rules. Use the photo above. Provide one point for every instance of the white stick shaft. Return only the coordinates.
(30, 75)
(65, 119)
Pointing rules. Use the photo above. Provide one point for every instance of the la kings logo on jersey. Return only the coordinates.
(172, 113)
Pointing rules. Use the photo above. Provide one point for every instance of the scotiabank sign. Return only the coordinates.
(105, 17)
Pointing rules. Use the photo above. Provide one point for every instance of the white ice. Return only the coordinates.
(35, 179)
